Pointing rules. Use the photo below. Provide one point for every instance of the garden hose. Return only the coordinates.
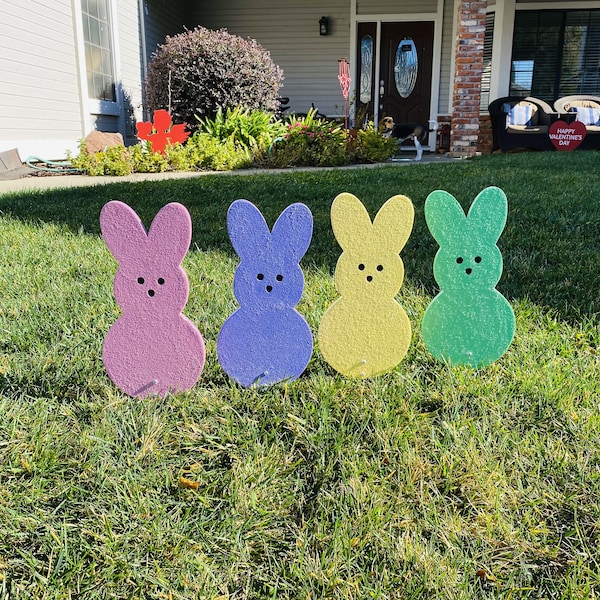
(62, 166)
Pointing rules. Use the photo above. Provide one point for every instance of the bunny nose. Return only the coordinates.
(369, 278)
(269, 288)
(151, 293)
(468, 271)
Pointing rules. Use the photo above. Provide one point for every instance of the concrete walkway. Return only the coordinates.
(26, 179)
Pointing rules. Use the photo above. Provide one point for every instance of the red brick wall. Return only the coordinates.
(484, 142)
(467, 77)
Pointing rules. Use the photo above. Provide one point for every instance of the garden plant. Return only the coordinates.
(199, 71)
(241, 138)
(428, 482)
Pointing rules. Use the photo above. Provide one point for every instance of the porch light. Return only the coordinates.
(323, 26)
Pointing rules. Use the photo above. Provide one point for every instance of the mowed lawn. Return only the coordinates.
(428, 482)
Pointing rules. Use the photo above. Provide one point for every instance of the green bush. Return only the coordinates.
(112, 161)
(208, 152)
(309, 141)
(201, 71)
(252, 130)
(146, 161)
(371, 147)
(240, 138)
(202, 151)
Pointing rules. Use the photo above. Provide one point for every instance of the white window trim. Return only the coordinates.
(90, 106)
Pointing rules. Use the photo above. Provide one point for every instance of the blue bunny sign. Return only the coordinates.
(469, 322)
(267, 340)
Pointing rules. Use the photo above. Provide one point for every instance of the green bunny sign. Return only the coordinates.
(469, 322)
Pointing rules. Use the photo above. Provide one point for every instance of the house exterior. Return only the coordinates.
(69, 67)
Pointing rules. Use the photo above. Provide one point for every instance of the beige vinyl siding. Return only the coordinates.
(40, 111)
(392, 7)
(290, 32)
(162, 19)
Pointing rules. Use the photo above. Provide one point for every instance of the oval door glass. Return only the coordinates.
(366, 68)
(406, 67)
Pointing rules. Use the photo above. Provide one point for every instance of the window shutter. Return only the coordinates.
(486, 75)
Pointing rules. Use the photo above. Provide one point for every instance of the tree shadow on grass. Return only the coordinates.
(551, 246)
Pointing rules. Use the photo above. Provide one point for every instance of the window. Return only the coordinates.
(555, 53)
(366, 69)
(97, 37)
(406, 67)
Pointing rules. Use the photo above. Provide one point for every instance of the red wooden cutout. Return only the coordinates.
(162, 132)
(567, 136)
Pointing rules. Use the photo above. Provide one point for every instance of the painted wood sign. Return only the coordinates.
(567, 136)
(267, 340)
(366, 332)
(161, 132)
(152, 349)
(469, 322)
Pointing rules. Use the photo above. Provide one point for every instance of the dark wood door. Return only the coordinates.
(405, 73)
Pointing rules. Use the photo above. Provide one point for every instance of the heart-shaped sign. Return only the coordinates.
(567, 136)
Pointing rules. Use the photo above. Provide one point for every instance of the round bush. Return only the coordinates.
(199, 71)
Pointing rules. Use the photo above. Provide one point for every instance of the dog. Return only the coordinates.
(408, 131)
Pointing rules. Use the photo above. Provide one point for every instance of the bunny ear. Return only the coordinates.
(350, 220)
(444, 216)
(394, 221)
(170, 234)
(248, 230)
(488, 214)
(292, 231)
(122, 230)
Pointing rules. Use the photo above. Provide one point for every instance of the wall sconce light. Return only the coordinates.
(323, 26)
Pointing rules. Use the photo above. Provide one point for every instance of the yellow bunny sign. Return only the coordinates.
(366, 332)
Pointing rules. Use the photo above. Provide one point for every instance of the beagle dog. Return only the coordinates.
(408, 131)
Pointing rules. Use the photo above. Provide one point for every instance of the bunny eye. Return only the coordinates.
(260, 277)
(380, 267)
(140, 280)
(478, 259)
(459, 260)
(361, 267)
(279, 277)
(160, 281)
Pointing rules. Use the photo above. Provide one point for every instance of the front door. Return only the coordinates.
(405, 68)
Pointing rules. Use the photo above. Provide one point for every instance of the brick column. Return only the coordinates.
(467, 77)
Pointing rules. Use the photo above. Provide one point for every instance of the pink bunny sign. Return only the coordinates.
(152, 349)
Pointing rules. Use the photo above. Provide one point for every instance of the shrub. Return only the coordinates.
(112, 161)
(252, 130)
(201, 71)
(370, 146)
(146, 161)
(310, 142)
(208, 152)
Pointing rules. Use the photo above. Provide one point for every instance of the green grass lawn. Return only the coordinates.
(428, 482)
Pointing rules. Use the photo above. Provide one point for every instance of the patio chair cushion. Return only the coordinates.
(519, 115)
(587, 115)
